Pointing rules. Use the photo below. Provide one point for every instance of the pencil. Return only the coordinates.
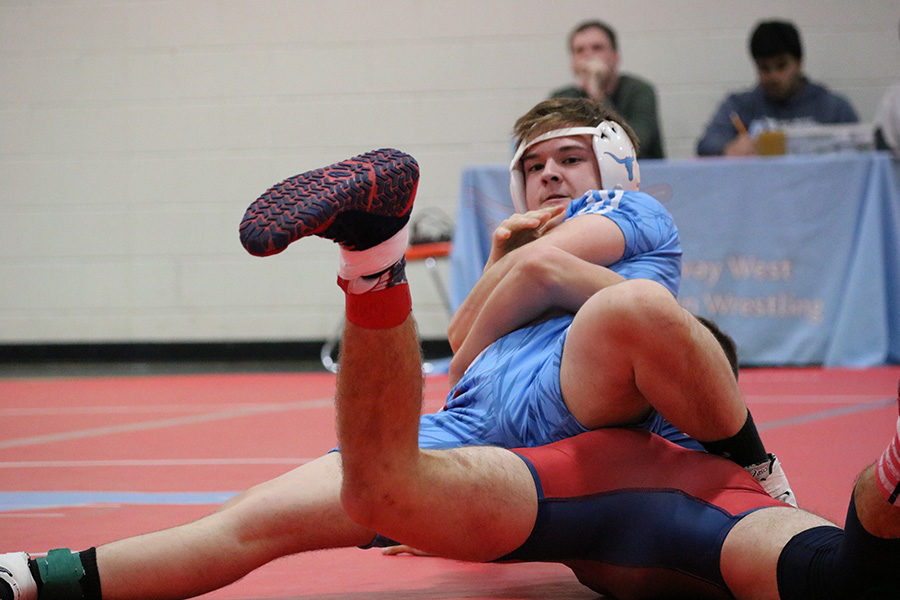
(738, 124)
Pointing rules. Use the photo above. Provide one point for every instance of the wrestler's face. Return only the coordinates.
(559, 170)
(779, 76)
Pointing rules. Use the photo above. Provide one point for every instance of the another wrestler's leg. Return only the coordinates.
(632, 347)
(788, 554)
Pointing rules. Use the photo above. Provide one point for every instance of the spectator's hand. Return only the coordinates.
(742, 145)
(592, 78)
(522, 228)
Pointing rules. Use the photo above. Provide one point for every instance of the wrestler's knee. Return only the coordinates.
(296, 511)
(368, 503)
(636, 308)
(378, 496)
(356, 489)
(257, 515)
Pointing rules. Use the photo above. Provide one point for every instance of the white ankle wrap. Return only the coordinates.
(356, 263)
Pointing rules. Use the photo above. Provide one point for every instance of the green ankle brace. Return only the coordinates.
(61, 572)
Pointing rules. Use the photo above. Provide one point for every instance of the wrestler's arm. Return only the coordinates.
(543, 279)
(513, 233)
(593, 238)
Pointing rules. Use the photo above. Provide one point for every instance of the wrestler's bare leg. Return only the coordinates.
(865, 558)
(467, 503)
(295, 512)
(751, 551)
(630, 347)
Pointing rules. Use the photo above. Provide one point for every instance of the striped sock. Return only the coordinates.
(889, 469)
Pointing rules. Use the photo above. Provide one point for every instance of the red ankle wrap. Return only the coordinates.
(380, 310)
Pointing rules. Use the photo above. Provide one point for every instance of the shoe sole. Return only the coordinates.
(381, 182)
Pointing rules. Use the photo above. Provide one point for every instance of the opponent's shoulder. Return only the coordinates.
(604, 201)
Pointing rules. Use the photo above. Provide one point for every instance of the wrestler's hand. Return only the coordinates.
(403, 549)
(522, 228)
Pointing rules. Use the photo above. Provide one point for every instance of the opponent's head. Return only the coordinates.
(587, 124)
(726, 342)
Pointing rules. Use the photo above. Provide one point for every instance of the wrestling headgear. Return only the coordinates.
(615, 157)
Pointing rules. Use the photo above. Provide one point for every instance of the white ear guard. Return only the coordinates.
(614, 151)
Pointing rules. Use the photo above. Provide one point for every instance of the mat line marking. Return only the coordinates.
(247, 410)
(160, 423)
(827, 414)
(195, 408)
(811, 398)
(150, 462)
(30, 411)
(18, 501)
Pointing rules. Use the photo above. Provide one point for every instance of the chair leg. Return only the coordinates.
(431, 265)
(331, 349)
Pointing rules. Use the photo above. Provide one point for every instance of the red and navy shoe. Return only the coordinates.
(358, 202)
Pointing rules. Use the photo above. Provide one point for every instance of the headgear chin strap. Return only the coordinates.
(614, 151)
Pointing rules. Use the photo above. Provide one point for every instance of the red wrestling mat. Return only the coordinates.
(86, 461)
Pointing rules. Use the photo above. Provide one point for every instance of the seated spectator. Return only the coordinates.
(595, 64)
(782, 95)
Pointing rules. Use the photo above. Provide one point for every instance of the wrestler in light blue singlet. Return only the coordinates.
(510, 396)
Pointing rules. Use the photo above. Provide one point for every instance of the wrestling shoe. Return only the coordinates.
(771, 477)
(16, 582)
(359, 203)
